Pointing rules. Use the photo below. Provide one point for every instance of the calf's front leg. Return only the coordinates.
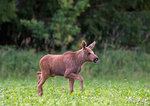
(71, 83)
(75, 77)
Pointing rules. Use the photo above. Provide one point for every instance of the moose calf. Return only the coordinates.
(68, 65)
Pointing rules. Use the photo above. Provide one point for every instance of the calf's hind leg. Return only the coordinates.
(42, 80)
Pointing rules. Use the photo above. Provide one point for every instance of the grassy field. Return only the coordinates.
(56, 92)
(119, 78)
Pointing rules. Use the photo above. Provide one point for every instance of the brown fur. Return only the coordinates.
(68, 65)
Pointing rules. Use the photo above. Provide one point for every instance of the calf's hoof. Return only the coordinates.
(40, 94)
(82, 91)
(71, 92)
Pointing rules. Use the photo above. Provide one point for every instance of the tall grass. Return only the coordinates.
(113, 64)
(121, 64)
(18, 63)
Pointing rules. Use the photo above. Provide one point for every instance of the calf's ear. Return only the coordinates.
(83, 44)
(91, 46)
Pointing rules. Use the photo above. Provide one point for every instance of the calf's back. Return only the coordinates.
(57, 64)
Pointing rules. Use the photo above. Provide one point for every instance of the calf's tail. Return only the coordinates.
(39, 75)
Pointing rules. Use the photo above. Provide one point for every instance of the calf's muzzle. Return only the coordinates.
(95, 60)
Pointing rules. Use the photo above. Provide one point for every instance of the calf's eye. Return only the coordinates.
(89, 53)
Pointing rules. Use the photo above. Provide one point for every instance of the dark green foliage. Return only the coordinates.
(59, 25)
(40, 33)
(7, 11)
(117, 22)
(63, 27)
(64, 23)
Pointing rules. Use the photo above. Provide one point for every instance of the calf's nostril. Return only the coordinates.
(96, 59)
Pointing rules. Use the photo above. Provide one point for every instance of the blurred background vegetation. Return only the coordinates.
(30, 29)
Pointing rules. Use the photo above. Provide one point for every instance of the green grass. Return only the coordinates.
(96, 93)
(119, 78)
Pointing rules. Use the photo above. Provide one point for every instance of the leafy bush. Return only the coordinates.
(63, 26)
(40, 33)
(54, 25)
(64, 23)
(116, 22)
(7, 11)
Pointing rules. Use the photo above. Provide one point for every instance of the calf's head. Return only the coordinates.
(88, 54)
